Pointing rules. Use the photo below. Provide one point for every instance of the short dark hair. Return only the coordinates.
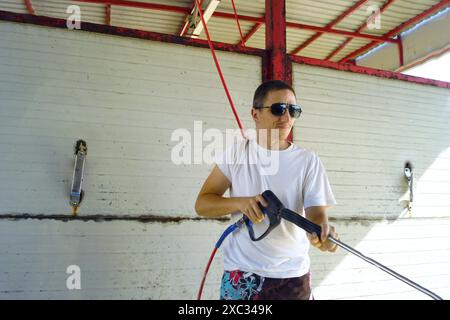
(266, 87)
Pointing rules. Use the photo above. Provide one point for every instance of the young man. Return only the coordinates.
(277, 267)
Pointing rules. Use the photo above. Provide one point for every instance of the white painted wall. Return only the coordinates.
(418, 248)
(117, 259)
(364, 128)
(125, 96)
(133, 260)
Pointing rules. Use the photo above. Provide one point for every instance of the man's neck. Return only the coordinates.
(272, 144)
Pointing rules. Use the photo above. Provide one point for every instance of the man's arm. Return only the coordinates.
(318, 215)
(211, 203)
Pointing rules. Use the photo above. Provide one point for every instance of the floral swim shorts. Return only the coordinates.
(241, 285)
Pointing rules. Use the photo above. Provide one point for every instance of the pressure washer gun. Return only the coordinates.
(275, 211)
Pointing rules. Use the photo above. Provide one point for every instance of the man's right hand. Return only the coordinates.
(211, 203)
(249, 207)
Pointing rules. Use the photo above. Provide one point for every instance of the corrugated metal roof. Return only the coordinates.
(156, 21)
(90, 12)
(398, 12)
(355, 44)
(359, 17)
(318, 13)
(13, 5)
(258, 40)
(225, 30)
(248, 8)
(309, 12)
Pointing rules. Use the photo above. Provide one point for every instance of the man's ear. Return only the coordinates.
(255, 114)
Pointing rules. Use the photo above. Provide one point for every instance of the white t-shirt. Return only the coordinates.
(298, 179)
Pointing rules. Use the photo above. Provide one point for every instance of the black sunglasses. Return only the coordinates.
(278, 109)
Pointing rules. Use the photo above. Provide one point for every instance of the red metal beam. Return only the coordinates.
(251, 32)
(340, 32)
(169, 8)
(29, 6)
(226, 15)
(339, 49)
(346, 13)
(368, 71)
(240, 16)
(437, 7)
(141, 5)
(153, 36)
(361, 28)
(108, 14)
(127, 32)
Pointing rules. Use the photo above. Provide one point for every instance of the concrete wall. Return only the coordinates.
(117, 259)
(364, 128)
(134, 260)
(126, 96)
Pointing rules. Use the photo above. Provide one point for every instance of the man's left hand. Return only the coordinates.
(323, 243)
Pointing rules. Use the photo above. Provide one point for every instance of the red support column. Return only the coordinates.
(108, 14)
(276, 63)
(400, 51)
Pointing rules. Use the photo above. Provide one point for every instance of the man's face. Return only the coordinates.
(264, 119)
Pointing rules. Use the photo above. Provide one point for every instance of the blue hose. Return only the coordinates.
(229, 230)
(225, 234)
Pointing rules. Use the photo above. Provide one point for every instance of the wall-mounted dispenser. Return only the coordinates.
(76, 193)
(409, 177)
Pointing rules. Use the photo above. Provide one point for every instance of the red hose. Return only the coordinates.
(213, 253)
(237, 21)
(230, 100)
(219, 70)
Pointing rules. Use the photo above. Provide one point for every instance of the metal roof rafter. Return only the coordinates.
(437, 7)
(361, 28)
(341, 17)
(154, 36)
(225, 15)
(252, 32)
